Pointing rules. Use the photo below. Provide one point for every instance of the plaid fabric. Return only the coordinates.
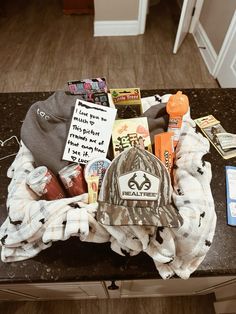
(32, 224)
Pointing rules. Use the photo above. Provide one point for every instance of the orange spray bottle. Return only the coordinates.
(176, 107)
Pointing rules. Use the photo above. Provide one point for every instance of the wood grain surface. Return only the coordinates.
(41, 49)
(165, 305)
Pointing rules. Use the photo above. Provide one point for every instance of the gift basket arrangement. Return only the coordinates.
(111, 167)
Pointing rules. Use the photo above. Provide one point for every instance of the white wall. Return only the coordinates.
(116, 10)
(215, 18)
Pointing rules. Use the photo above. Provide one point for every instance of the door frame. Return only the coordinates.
(225, 46)
(196, 16)
(143, 10)
(142, 15)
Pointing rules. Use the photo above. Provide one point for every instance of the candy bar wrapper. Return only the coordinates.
(164, 149)
(86, 88)
(130, 132)
(127, 102)
(217, 135)
(101, 98)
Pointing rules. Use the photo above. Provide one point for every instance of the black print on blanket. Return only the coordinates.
(202, 215)
(16, 222)
(199, 170)
(180, 192)
(203, 162)
(158, 236)
(158, 98)
(207, 243)
(3, 239)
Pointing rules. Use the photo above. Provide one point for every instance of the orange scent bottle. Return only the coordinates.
(176, 107)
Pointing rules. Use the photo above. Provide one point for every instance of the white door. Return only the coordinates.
(225, 69)
(184, 22)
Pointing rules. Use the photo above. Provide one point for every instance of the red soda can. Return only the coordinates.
(72, 177)
(45, 184)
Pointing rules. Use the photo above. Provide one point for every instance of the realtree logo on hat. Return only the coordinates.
(136, 190)
(138, 185)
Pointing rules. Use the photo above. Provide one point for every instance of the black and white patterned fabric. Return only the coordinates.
(32, 224)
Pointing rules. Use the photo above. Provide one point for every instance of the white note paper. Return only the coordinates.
(90, 132)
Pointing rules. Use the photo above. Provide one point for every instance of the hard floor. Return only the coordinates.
(41, 49)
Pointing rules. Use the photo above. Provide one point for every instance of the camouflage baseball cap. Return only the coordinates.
(136, 190)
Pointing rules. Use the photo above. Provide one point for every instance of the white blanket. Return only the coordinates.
(32, 224)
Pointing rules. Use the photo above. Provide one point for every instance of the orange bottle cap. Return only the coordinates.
(177, 105)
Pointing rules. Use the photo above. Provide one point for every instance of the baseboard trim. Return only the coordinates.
(116, 28)
(207, 51)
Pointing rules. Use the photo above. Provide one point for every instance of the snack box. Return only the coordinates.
(130, 132)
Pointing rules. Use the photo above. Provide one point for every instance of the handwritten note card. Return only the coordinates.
(89, 133)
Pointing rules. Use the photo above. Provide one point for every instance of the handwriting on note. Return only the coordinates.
(90, 132)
